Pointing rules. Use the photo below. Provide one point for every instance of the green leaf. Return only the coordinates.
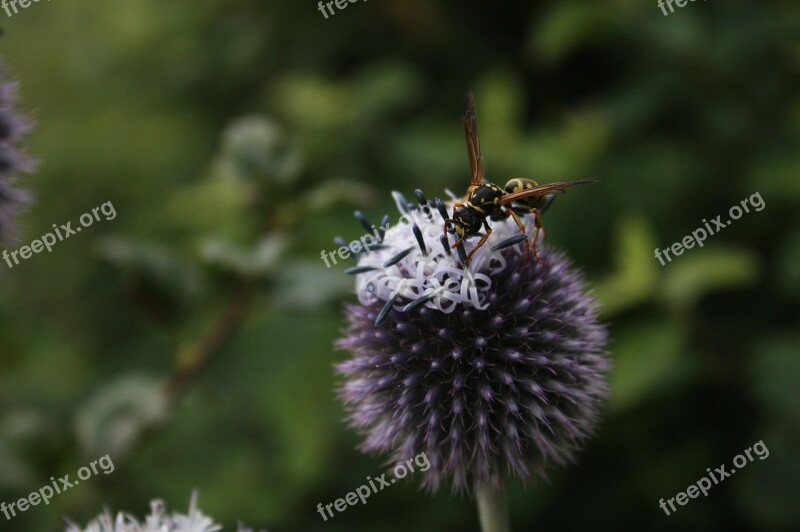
(153, 266)
(789, 262)
(308, 285)
(776, 369)
(335, 191)
(114, 418)
(260, 261)
(766, 489)
(647, 361)
(701, 271)
(636, 274)
(217, 204)
(21, 431)
(569, 26)
(256, 148)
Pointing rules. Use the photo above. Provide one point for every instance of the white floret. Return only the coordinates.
(437, 273)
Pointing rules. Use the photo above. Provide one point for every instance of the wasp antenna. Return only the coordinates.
(397, 258)
(420, 239)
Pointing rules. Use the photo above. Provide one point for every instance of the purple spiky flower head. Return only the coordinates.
(13, 159)
(493, 369)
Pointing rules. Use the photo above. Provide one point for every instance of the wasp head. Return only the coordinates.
(466, 222)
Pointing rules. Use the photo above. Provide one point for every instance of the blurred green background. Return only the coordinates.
(235, 138)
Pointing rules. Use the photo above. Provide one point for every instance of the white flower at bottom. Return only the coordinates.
(157, 521)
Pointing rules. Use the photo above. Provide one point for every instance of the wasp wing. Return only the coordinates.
(470, 122)
(542, 190)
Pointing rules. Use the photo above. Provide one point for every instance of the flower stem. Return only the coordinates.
(492, 510)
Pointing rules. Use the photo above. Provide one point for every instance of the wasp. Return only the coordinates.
(484, 200)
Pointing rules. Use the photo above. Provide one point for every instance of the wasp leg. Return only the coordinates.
(538, 221)
(480, 243)
(460, 240)
(447, 222)
(510, 212)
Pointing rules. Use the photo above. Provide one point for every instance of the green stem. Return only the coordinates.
(492, 510)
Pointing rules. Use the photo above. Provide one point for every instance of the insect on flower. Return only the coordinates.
(494, 371)
(520, 196)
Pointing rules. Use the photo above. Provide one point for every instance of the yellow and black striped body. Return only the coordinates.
(485, 199)
(518, 185)
(482, 201)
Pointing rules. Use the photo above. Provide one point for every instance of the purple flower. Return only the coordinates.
(499, 368)
(13, 160)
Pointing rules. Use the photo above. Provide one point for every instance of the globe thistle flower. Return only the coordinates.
(495, 368)
(157, 521)
(13, 160)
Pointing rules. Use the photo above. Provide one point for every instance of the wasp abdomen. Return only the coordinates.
(521, 183)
